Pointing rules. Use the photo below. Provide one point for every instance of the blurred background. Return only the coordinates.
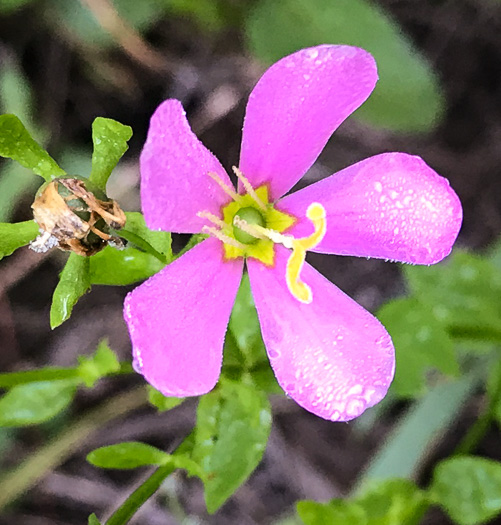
(64, 62)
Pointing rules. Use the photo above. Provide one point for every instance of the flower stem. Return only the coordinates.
(478, 430)
(31, 470)
(132, 504)
(11, 379)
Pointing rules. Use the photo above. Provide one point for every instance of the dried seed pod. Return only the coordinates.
(74, 216)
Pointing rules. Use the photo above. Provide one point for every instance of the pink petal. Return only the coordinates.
(295, 108)
(331, 356)
(174, 174)
(177, 320)
(391, 206)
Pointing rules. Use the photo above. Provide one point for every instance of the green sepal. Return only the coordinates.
(74, 281)
(110, 143)
(16, 143)
(13, 236)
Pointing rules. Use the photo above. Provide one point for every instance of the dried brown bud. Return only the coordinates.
(73, 218)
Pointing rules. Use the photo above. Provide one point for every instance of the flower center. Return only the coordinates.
(251, 226)
(251, 216)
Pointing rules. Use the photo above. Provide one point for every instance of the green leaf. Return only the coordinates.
(73, 283)
(162, 402)
(407, 96)
(34, 403)
(127, 455)
(468, 488)
(110, 143)
(334, 513)
(13, 236)
(17, 144)
(244, 325)
(463, 293)
(9, 6)
(104, 362)
(390, 502)
(93, 520)
(131, 265)
(233, 425)
(421, 342)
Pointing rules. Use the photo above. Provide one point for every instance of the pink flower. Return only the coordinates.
(329, 354)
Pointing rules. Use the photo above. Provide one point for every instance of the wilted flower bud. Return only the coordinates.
(74, 216)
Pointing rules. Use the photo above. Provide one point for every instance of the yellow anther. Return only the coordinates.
(227, 189)
(300, 290)
(212, 218)
(248, 188)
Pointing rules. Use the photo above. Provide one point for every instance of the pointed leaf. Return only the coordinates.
(421, 343)
(73, 283)
(13, 236)
(17, 144)
(468, 488)
(407, 96)
(93, 520)
(110, 143)
(34, 403)
(233, 425)
(127, 455)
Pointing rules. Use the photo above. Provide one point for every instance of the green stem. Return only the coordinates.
(141, 243)
(478, 430)
(11, 379)
(132, 504)
(50, 456)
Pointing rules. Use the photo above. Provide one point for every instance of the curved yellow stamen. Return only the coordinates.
(300, 290)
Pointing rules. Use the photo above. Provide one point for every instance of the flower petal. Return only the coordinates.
(295, 108)
(391, 206)
(331, 356)
(177, 320)
(174, 165)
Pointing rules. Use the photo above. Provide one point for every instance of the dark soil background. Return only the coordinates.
(212, 75)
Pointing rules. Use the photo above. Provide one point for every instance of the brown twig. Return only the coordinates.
(125, 35)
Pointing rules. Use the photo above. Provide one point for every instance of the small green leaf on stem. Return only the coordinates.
(73, 283)
(35, 403)
(127, 455)
(233, 425)
(110, 143)
(104, 362)
(17, 144)
(13, 236)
